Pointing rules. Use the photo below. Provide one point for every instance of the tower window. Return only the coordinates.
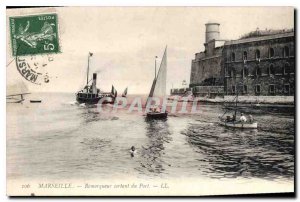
(271, 53)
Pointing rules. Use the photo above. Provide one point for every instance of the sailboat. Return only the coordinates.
(124, 94)
(113, 92)
(15, 92)
(90, 94)
(158, 88)
(233, 123)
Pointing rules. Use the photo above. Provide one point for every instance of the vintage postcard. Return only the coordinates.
(150, 101)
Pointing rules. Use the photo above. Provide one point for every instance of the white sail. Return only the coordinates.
(16, 88)
(125, 92)
(15, 84)
(161, 79)
(158, 88)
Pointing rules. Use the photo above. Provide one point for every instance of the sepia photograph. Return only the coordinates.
(150, 101)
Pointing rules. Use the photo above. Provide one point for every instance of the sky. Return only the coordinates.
(125, 40)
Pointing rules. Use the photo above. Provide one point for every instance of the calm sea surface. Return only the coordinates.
(59, 139)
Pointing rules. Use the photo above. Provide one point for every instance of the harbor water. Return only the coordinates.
(59, 139)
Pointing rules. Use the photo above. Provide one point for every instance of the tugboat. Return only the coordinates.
(90, 94)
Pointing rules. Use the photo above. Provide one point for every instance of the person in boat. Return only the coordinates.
(243, 118)
(132, 151)
(251, 118)
(151, 109)
(157, 109)
(228, 118)
(233, 118)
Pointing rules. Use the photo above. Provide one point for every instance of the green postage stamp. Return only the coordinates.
(34, 34)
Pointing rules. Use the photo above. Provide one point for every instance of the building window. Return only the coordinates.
(257, 55)
(233, 89)
(246, 70)
(245, 89)
(287, 89)
(245, 56)
(258, 71)
(226, 71)
(257, 89)
(272, 89)
(232, 57)
(286, 69)
(229, 72)
(271, 52)
(286, 52)
(271, 70)
(233, 73)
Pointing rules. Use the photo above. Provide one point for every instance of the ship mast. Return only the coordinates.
(155, 68)
(88, 68)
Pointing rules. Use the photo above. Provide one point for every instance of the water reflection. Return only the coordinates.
(246, 153)
(94, 113)
(152, 153)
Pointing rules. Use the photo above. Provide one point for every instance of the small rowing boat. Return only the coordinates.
(35, 101)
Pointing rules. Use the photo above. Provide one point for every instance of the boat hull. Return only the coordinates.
(239, 124)
(94, 100)
(35, 101)
(17, 101)
(157, 115)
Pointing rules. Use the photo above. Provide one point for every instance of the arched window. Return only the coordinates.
(286, 52)
(271, 70)
(232, 56)
(257, 55)
(271, 53)
(245, 56)
(287, 68)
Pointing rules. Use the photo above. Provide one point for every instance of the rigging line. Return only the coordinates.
(228, 109)
(10, 62)
(16, 56)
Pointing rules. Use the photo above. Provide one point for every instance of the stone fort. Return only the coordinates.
(260, 63)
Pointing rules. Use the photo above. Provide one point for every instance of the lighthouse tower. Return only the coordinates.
(212, 38)
(212, 31)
